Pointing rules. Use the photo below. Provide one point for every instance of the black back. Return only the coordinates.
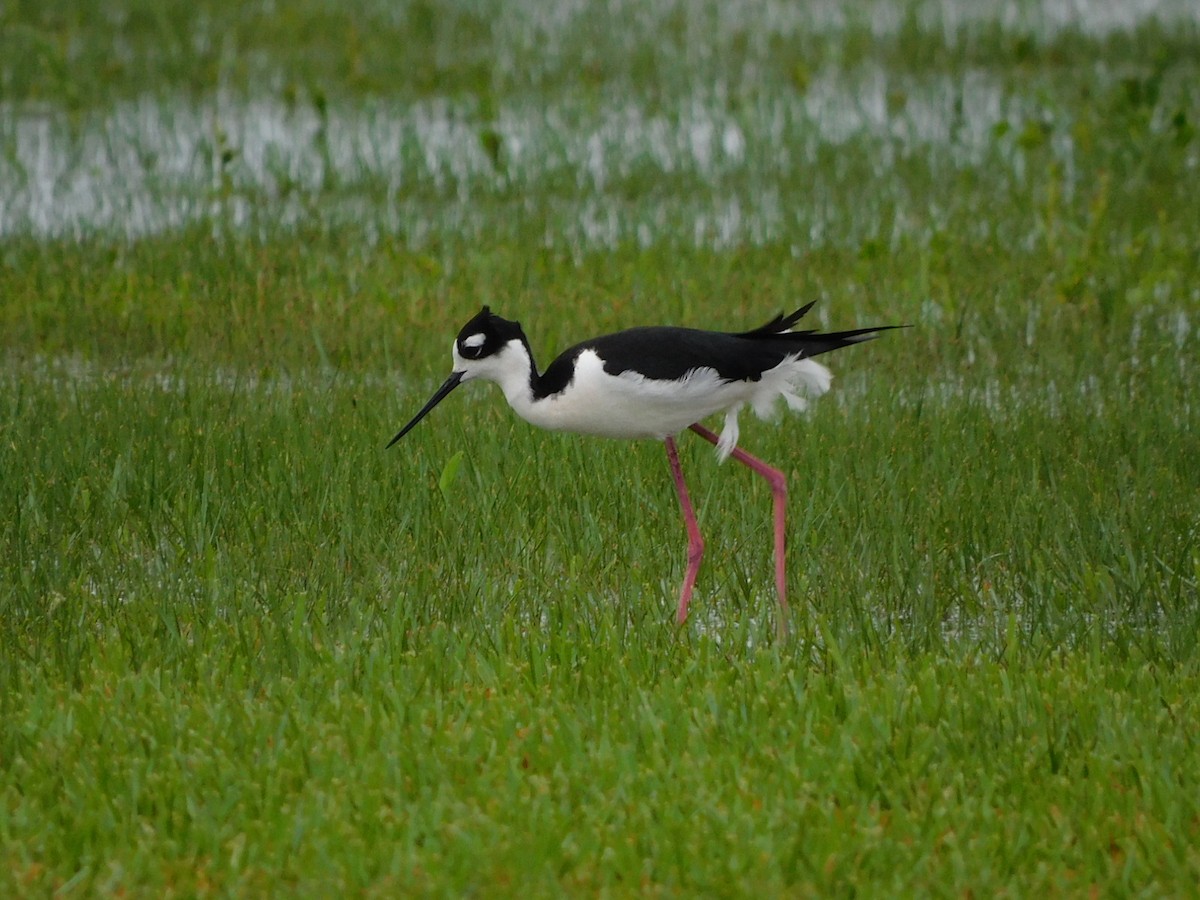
(668, 353)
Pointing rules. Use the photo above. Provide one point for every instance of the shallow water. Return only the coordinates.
(623, 171)
(684, 159)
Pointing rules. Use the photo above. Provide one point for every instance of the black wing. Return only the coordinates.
(668, 353)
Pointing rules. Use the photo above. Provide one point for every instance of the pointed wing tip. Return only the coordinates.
(789, 321)
(871, 334)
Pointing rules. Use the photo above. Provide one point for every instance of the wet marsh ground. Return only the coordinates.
(244, 650)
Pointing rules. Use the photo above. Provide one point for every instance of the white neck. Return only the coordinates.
(515, 375)
(513, 369)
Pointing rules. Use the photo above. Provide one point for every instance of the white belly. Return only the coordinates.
(632, 406)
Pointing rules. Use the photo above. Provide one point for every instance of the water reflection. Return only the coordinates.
(624, 171)
(707, 167)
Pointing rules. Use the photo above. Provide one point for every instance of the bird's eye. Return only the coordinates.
(472, 345)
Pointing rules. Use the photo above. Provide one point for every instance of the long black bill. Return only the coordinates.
(450, 384)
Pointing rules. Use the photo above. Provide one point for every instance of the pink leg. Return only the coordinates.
(695, 541)
(778, 483)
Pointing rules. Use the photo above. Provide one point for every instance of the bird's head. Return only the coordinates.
(487, 347)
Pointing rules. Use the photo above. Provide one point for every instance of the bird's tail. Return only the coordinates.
(796, 382)
(812, 343)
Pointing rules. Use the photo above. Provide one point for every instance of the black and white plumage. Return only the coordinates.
(654, 382)
(647, 382)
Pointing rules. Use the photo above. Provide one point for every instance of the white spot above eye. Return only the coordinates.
(474, 340)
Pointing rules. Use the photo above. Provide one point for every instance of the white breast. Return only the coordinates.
(630, 405)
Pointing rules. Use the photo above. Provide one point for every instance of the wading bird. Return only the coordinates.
(653, 382)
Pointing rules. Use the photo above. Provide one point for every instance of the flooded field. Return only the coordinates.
(245, 650)
(776, 149)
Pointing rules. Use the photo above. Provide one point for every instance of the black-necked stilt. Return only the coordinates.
(653, 382)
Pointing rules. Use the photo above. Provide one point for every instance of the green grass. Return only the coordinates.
(246, 651)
